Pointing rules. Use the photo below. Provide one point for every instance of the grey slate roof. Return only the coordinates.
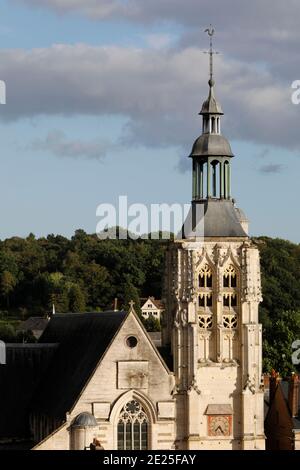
(82, 341)
(285, 389)
(215, 145)
(25, 364)
(216, 218)
(241, 215)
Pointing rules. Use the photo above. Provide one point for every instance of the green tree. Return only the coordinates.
(96, 280)
(277, 350)
(7, 333)
(131, 293)
(152, 324)
(7, 285)
(58, 293)
(76, 299)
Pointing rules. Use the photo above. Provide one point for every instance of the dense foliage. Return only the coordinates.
(81, 274)
(87, 274)
(280, 309)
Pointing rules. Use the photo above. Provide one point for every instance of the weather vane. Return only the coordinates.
(210, 31)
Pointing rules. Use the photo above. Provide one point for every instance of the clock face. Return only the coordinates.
(219, 425)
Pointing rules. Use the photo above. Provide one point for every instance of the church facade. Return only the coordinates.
(97, 377)
(121, 394)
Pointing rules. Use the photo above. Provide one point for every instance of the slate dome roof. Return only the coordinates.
(211, 145)
(85, 419)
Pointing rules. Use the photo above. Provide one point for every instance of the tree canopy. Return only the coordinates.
(80, 274)
(280, 309)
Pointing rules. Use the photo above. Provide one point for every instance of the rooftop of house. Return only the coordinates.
(83, 339)
(284, 385)
(285, 388)
(25, 364)
(156, 302)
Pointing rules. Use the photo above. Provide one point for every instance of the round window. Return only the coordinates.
(131, 341)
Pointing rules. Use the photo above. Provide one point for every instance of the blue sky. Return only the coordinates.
(105, 104)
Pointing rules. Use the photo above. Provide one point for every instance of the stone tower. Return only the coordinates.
(212, 293)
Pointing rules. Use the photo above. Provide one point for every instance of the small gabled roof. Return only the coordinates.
(156, 302)
(33, 323)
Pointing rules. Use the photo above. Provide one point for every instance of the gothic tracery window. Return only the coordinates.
(205, 300)
(229, 277)
(230, 297)
(133, 427)
(205, 285)
(230, 321)
(229, 300)
(205, 322)
(205, 277)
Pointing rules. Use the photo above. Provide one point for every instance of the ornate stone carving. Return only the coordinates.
(193, 386)
(249, 385)
(251, 278)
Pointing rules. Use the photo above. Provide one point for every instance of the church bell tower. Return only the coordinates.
(212, 294)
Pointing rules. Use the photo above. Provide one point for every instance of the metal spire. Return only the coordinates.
(210, 31)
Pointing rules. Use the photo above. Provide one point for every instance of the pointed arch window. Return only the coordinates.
(230, 284)
(205, 288)
(205, 277)
(205, 300)
(229, 300)
(230, 277)
(133, 427)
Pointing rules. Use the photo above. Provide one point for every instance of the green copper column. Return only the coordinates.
(225, 180)
(229, 181)
(194, 179)
(214, 189)
(198, 180)
(201, 181)
(221, 180)
(208, 178)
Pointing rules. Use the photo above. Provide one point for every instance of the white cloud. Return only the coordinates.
(231, 15)
(257, 31)
(159, 92)
(159, 41)
(57, 143)
(91, 8)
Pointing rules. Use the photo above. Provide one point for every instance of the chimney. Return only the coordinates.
(274, 381)
(293, 397)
